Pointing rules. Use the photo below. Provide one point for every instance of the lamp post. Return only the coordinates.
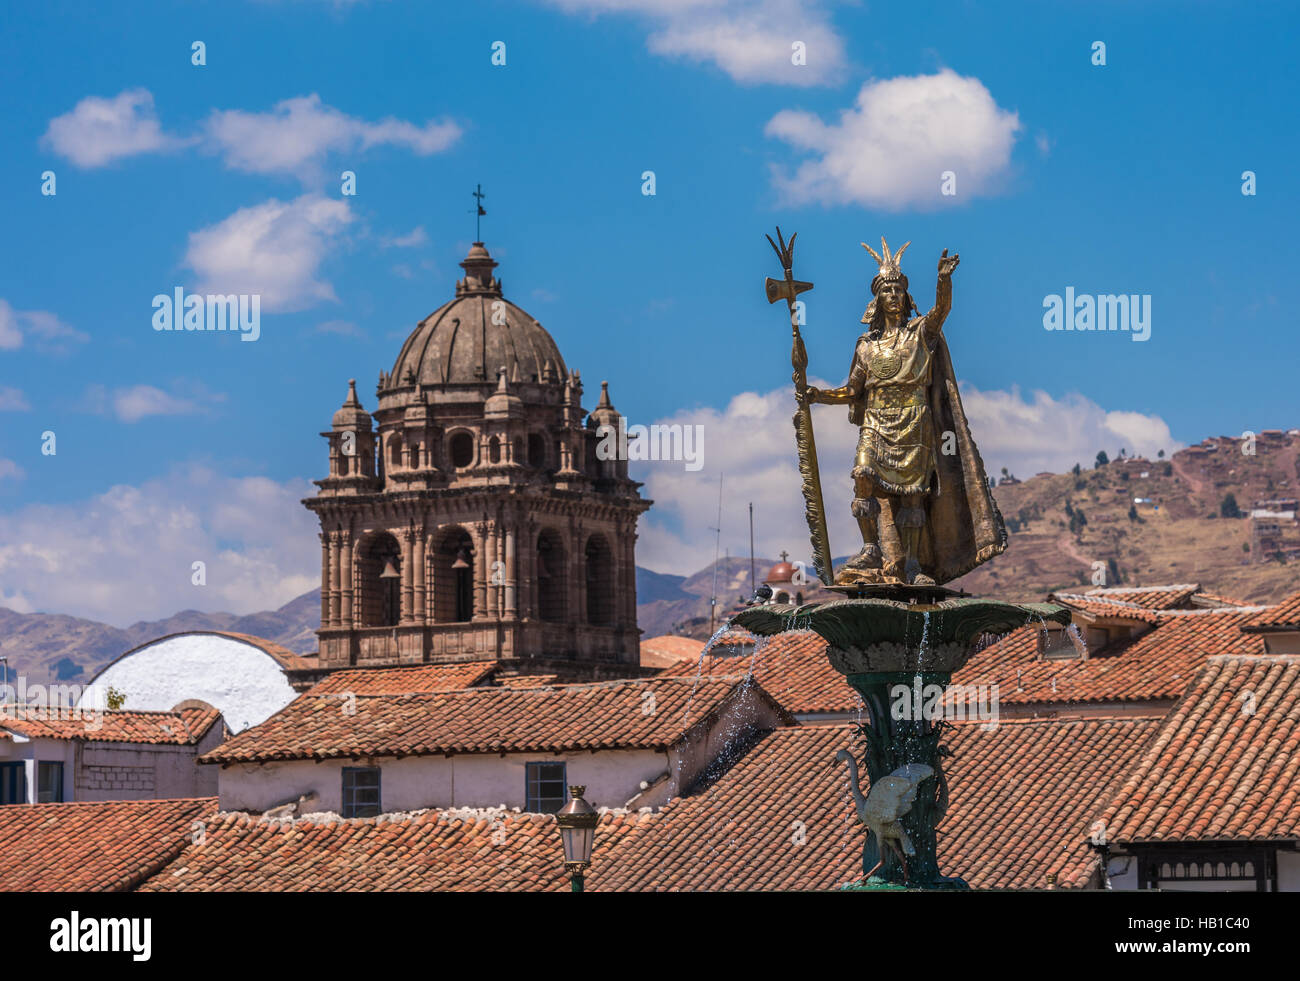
(577, 823)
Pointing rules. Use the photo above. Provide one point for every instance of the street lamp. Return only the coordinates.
(577, 822)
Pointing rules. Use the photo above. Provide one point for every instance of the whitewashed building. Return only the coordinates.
(634, 743)
(246, 678)
(56, 754)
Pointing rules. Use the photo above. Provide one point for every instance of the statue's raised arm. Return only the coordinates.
(942, 293)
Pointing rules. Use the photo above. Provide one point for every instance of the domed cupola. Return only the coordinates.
(350, 415)
(352, 448)
(465, 340)
(605, 426)
(604, 414)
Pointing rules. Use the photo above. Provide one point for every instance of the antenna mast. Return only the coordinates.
(752, 585)
(717, 543)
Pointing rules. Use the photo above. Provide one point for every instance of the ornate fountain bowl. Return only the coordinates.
(882, 633)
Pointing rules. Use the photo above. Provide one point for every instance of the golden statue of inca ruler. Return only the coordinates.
(921, 497)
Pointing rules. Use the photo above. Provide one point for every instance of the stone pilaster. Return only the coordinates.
(325, 568)
(336, 541)
(407, 539)
(481, 537)
(347, 564)
(511, 572)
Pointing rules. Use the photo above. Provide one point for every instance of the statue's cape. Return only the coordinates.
(964, 528)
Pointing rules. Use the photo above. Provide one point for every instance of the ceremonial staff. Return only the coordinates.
(789, 288)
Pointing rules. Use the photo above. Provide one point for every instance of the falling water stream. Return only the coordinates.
(755, 657)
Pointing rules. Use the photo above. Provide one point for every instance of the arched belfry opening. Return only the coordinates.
(379, 576)
(477, 521)
(552, 583)
(453, 577)
(600, 581)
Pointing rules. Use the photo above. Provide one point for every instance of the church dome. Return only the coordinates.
(783, 571)
(466, 340)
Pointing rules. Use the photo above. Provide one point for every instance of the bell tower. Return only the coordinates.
(469, 517)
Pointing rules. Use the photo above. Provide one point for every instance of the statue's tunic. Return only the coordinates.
(896, 444)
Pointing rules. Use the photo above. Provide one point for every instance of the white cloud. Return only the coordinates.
(892, 147)
(294, 137)
(13, 400)
(750, 444)
(274, 249)
(136, 402)
(49, 334)
(11, 336)
(10, 470)
(298, 134)
(416, 236)
(127, 554)
(1045, 433)
(98, 131)
(750, 40)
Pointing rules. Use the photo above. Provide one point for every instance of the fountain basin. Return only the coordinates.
(877, 635)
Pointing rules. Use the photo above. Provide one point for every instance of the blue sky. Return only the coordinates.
(1117, 178)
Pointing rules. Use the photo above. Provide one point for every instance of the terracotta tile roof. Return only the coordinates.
(526, 680)
(792, 668)
(1217, 770)
(461, 851)
(1214, 599)
(183, 728)
(399, 681)
(1285, 615)
(1173, 597)
(1023, 796)
(93, 847)
(666, 650)
(1095, 607)
(1156, 666)
(609, 715)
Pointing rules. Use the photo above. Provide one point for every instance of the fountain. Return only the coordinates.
(899, 633)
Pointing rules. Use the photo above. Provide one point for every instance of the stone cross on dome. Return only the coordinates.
(479, 212)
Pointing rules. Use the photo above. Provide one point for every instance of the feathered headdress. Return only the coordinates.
(889, 269)
(889, 272)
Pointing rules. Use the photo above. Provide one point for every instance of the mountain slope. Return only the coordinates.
(47, 647)
(1176, 533)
